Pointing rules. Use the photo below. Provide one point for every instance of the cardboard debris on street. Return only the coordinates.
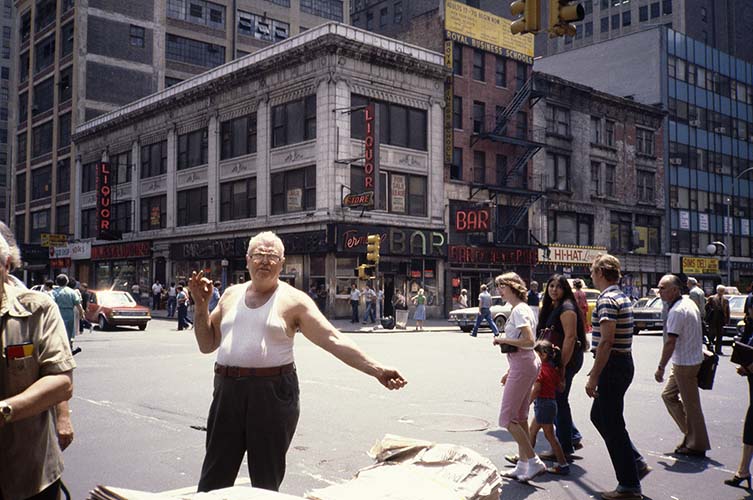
(232, 493)
(410, 469)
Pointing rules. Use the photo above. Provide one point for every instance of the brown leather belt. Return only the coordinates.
(238, 372)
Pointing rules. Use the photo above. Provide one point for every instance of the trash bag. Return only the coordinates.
(388, 323)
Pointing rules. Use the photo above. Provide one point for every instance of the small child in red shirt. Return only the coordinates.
(543, 396)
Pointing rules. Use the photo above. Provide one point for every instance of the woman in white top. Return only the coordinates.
(523, 370)
(463, 299)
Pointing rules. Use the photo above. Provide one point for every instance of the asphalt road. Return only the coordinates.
(141, 399)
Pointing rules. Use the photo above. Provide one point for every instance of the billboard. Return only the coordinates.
(485, 31)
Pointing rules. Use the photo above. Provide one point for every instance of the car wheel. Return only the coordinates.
(500, 322)
(142, 327)
(466, 328)
(103, 324)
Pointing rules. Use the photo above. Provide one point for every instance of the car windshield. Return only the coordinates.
(592, 295)
(737, 303)
(641, 302)
(655, 303)
(114, 299)
(498, 301)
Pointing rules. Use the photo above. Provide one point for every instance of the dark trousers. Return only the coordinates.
(606, 415)
(171, 303)
(564, 421)
(257, 415)
(716, 334)
(354, 311)
(156, 301)
(182, 317)
(748, 427)
(49, 493)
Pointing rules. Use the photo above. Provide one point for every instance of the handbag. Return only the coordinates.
(708, 370)
(507, 348)
(742, 354)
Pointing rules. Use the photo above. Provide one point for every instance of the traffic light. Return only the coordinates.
(529, 20)
(361, 272)
(372, 248)
(561, 14)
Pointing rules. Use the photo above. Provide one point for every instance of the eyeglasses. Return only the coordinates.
(259, 257)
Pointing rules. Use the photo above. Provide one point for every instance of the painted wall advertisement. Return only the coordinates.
(485, 31)
(397, 193)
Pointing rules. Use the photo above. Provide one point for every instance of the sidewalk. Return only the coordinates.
(345, 326)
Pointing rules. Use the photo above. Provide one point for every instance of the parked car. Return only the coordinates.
(648, 317)
(591, 295)
(466, 318)
(108, 308)
(735, 326)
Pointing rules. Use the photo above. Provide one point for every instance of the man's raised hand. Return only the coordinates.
(201, 287)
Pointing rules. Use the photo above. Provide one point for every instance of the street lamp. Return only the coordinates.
(728, 228)
(714, 248)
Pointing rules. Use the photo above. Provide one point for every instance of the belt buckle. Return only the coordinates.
(233, 371)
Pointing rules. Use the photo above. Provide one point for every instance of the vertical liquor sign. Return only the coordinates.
(371, 154)
(104, 200)
(448, 103)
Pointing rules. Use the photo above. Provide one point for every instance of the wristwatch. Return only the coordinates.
(6, 411)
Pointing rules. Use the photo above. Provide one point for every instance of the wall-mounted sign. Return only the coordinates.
(371, 152)
(473, 220)
(104, 200)
(359, 200)
(703, 222)
(81, 250)
(462, 254)
(700, 265)
(122, 251)
(570, 255)
(63, 252)
(395, 240)
(684, 219)
(397, 193)
(53, 240)
(449, 94)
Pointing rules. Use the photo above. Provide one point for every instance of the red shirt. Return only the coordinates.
(549, 378)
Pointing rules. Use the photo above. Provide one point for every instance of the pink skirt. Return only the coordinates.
(516, 398)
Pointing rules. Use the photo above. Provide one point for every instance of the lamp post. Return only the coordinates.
(728, 228)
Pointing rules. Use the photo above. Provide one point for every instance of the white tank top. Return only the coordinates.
(254, 338)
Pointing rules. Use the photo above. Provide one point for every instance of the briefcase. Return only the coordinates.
(708, 370)
(742, 354)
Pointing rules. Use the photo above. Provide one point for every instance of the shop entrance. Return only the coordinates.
(388, 283)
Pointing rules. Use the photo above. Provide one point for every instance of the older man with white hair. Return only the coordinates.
(35, 375)
(255, 405)
(696, 294)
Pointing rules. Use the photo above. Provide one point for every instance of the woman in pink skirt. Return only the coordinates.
(523, 370)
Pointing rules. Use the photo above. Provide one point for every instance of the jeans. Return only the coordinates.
(354, 309)
(182, 317)
(566, 432)
(606, 415)
(370, 313)
(485, 313)
(171, 304)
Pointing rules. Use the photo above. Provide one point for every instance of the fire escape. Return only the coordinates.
(521, 198)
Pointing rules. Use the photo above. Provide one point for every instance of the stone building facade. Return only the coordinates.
(273, 141)
(602, 172)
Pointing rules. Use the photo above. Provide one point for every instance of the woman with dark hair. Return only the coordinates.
(561, 322)
(743, 470)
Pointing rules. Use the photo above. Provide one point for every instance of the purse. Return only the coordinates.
(507, 348)
(742, 354)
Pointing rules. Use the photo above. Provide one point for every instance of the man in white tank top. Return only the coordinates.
(255, 405)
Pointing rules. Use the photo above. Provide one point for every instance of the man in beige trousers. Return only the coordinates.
(683, 343)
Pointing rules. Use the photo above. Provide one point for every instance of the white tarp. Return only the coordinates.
(409, 469)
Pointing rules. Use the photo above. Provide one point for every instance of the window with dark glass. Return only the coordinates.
(153, 159)
(41, 139)
(644, 140)
(62, 219)
(655, 10)
(121, 216)
(238, 199)
(558, 172)
(23, 67)
(521, 125)
(21, 188)
(414, 124)
(567, 228)
(456, 169)
(383, 17)
(41, 183)
(199, 12)
(262, 27)
(66, 40)
(65, 85)
(44, 54)
(192, 206)
(189, 51)
(44, 14)
(40, 223)
(457, 59)
(646, 184)
(369, 20)
(397, 13)
(604, 24)
(120, 168)
(407, 193)
(626, 18)
(479, 167)
(595, 176)
(558, 120)
(457, 112)
(521, 74)
(500, 72)
(330, 9)
(20, 229)
(650, 226)
(153, 213)
(621, 232)
(21, 152)
(25, 26)
(23, 107)
(64, 175)
(89, 223)
(89, 177)
(137, 36)
(43, 97)
(293, 190)
(589, 29)
(479, 65)
(67, 5)
(666, 7)
(294, 121)
(609, 132)
(479, 117)
(610, 175)
(64, 130)
(643, 13)
(238, 136)
(193, 149)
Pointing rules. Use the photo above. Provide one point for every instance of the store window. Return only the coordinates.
(293, 190)
(192, 206)
(294, 121)
(422, 274)
(153, 213)
(344, 275)
(238, 136)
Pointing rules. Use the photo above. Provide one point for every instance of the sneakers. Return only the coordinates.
(560, 470)
(621, 495)
(535, 468)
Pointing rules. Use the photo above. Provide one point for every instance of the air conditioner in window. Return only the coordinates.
(695, 123)
(674, 204)
(675, 161)
(720, 130)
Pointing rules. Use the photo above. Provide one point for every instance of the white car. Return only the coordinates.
(466, 318)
